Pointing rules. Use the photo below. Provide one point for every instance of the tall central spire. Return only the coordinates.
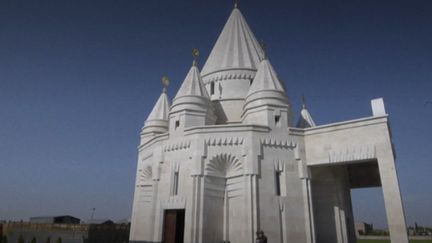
(231, 66)
(236, 47)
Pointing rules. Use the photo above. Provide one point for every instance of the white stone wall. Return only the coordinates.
(227, 182)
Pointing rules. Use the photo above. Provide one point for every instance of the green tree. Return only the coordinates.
(48, 240)
(59, 240)
(5, 239)
(21, 239)
(33, 240)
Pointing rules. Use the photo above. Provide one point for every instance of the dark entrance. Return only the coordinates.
(173, 228)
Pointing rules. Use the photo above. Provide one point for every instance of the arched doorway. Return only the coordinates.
(223, 198)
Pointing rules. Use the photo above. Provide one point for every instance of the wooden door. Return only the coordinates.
(173, 228)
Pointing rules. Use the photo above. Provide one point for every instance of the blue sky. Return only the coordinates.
(78, 78)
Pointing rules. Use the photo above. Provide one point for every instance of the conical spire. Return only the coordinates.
(266, 89)
(265, 79)
(192, 93)
(305, 119)
(157, 121)
(192, 84)
(192, 97)
(161, 108)
(236, 47)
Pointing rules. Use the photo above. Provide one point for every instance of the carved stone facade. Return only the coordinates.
(225, 161)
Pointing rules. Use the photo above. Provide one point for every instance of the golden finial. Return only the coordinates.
(303, 102)
(165, 82)
(264, 49)
(236, 3)
(195, 55)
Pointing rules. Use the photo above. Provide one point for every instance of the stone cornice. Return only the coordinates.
(272, 142)
(181, 145)
(226, 128)
(202, 130)
(339, 126)
(224, 141)
(352, 153)
(153, 140)
(229, 74)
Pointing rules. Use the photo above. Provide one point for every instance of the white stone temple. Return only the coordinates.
(225, 158)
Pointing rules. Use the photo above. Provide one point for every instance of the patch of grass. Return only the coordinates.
(388, 241)
(373, 241)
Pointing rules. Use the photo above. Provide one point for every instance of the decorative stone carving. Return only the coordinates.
(174, 202)
(224, 141)
(363, 152)
(224, 165)
(145, 175)
(177, 146)
(271, 142)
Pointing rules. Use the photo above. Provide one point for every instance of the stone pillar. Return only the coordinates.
(304, 175)
(199, 209)
(309, 218)
(195, 206)
(252, 212)
(392, 196)
(154, 205)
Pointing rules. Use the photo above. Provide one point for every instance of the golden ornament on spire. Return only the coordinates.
(264, 48)
(303, 102)
(195, 54)
(165, 82)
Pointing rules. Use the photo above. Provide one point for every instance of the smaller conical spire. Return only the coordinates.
(191, 97)
(305, 119)
(236, 3)
(157, 121)
(161, 108)
(192, 84)
(265, 79)
(266, 89)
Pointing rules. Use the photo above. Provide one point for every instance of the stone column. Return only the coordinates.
(154, 206)
(252, 212)
(305, 177)
(308, 208)
(392, 196)
(197, 209)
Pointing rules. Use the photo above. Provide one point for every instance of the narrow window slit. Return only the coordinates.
(277, 120)
(278, 183)
(175, 186)
(212, 88)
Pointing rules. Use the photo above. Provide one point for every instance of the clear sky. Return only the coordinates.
(78, 78)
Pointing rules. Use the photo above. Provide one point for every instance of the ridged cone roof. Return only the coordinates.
(236, 47)
(192, 85)
(265, 79)
(161, 109)
(305, 120)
